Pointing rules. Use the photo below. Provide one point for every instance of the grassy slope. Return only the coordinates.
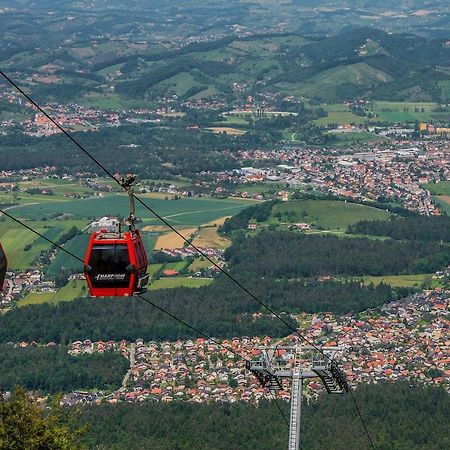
(14, 238)
(330, 214)
(189, 211)
(170, 283)
(327, 81)
(441, 193)
(441, 188)
(72, 290)
(402, 280)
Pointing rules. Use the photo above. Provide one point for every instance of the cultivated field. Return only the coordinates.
(63, 261)
(169, 283)
(23, 246)
(340, 118)
(327, 214)
(173, 240)
(441, 188)
(199, 264)
(441, 193)
(404, 111)
(208, 237)
(403, 280)
(185, 211)
(72, 290)
(226, 130)
(357, 136)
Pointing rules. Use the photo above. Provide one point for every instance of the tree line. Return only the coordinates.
(221, 310)
(260, 213)
(284, 255)
(416, 228)
(398, 416)
(52, 369)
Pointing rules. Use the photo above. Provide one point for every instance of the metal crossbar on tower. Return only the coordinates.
(270, 373)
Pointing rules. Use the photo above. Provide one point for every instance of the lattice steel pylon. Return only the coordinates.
(270, 374)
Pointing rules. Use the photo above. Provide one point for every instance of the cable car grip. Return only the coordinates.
(127, 184)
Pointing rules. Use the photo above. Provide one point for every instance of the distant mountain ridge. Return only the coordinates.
(363, 62)
(360, 63)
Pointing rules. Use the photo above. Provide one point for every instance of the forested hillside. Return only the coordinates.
(398, 417)
(362, 62)
(53, 370)
(221, 310)
(419, 228)
(284, 255)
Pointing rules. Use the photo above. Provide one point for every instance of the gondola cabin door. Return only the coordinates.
(115, 264)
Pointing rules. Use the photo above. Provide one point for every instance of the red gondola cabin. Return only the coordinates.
(116, 264)
(3, 266)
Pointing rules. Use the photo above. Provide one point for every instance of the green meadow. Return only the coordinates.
(404, 111)
(441, 188)
(170, 283)
(72, 290)
(185, 211)
(441, 193)
(404, 280)
(327, 214)
(23, 247)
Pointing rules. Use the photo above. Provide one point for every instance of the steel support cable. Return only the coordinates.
(168, 313)
(279, 408)
(369, 437)
(171, 227)
(186, 324)
(161, 218)
(2, 211)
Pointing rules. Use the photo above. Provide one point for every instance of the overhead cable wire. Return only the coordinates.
(2, 211)
(369, 437)
(279, 408)
(159, 308)
(161, 218)
(172, 228)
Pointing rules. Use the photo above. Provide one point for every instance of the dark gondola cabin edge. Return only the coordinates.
(3, 267)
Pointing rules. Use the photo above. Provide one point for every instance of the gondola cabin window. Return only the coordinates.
(109, 263)
(116, 264)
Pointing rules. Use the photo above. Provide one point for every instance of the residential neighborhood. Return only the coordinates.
(408, 340)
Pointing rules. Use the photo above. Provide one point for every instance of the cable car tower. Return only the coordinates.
(270, 372)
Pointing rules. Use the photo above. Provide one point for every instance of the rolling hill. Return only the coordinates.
(364, 62)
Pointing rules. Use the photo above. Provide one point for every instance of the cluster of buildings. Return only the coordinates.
(394, 171)
(74, 117)
(407, 340)
(20, 283)
(186, 252)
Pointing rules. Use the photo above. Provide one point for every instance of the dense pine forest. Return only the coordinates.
(397, 416)
(292, 255)
(52, 370)
(417, 228)
(288, 271)
(221, 310)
